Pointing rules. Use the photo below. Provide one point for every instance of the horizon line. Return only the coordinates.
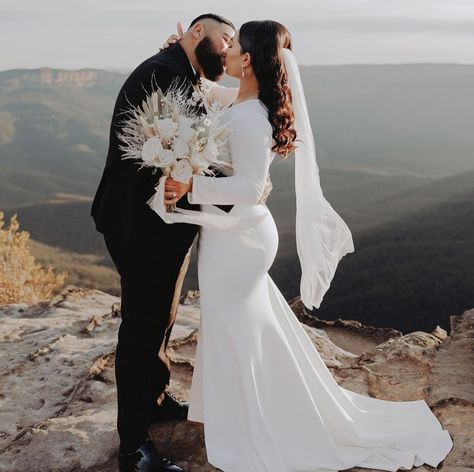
(118, 69)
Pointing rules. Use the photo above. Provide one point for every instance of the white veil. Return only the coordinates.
(322, 237)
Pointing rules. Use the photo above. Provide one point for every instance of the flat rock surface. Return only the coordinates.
(58, 395)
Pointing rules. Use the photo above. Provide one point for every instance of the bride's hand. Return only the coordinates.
(174, 37)
(174, 190)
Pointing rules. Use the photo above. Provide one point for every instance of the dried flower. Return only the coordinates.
(198, 160)
(180, 147)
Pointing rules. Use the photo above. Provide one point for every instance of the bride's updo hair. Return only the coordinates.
(264, 41)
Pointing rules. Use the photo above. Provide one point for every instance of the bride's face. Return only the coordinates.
(234, 58)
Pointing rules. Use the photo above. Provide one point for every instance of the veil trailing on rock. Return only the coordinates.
(322, 237)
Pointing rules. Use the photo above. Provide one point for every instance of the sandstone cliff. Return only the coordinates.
(15, 80)
(57, 390)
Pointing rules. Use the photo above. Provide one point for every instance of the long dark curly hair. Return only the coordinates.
(264, 40)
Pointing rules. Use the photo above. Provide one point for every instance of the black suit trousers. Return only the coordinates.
(150, 290)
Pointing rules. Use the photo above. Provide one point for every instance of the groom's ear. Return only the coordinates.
(197, 30)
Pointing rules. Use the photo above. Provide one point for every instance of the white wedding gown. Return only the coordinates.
(267, 400)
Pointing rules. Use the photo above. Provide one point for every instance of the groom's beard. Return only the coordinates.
(211, 62)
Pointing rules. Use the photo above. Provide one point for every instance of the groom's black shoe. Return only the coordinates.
(170, 409)
(146, 459)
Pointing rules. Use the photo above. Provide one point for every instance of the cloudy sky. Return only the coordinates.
(121, 33)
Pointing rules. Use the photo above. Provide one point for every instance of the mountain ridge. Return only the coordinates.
(13, 79)
(381, 132)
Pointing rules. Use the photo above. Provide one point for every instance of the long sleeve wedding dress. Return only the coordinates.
(267, 400)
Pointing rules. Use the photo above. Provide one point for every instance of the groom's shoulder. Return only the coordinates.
(159, 60)
(159, 70)
(161, 63)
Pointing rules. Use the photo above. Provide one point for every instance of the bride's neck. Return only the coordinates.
(248, 89)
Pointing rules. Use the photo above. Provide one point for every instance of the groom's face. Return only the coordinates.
(211, 50)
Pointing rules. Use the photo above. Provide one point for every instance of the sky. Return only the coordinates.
(119, 34)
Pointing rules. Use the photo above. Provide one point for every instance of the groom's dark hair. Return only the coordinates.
(212, 16)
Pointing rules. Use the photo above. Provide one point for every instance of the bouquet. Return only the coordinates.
(168, 132)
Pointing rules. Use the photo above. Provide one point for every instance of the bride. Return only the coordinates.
(265, 396)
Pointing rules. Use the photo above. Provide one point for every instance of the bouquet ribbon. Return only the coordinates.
(202, 218)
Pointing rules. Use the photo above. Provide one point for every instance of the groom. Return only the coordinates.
(151, 256)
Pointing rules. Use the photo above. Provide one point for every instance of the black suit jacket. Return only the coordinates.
(119, 208)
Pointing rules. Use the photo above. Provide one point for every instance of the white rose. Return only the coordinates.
(186, 133)
(182, 171)
(185, 121)
(180, 147)
(165, 158)
(166, 128)
(151, 148)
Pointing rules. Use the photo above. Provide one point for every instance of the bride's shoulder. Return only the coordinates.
(250, 114)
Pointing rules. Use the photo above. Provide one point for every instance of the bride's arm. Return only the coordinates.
(250, 147)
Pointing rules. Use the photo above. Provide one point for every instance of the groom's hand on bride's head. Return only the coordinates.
(174, 190)
(175, 37)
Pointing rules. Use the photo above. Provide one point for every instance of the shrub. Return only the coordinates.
(21, 278)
